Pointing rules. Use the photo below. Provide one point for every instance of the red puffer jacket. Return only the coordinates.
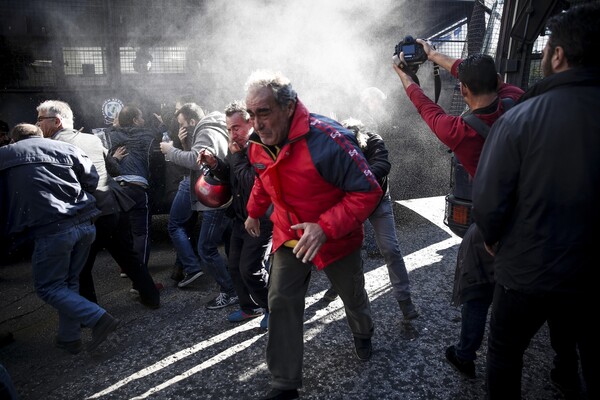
(318, 175)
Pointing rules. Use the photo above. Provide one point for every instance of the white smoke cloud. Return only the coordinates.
(330, 50)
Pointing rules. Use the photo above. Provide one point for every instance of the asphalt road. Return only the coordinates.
(184, 351)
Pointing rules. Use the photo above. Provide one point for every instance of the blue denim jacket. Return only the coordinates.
(44, 185)
(140, 143)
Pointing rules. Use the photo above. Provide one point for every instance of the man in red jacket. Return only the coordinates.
(312, 171)
(482, 91)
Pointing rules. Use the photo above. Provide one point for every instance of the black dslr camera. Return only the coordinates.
(414, 54)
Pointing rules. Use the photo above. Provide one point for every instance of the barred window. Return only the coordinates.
(536, 72)
(86, 61)
(156, 60)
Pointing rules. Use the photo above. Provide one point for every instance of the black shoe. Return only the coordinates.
(465, 367)
(278, 394)
(6, 338)
(105, 326)
(189, 278)
(408, 309)
(330, 295)
(568, 385)
(177, 274)
(150, 303)
(363, 348)
(73, 347)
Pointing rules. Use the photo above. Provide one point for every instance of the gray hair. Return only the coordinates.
(356, 126)
(237, 107)
(57, 108)
(279, 84)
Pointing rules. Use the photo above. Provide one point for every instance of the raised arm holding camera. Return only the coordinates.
(482, 90)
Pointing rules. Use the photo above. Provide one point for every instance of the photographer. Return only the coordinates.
(482, 90)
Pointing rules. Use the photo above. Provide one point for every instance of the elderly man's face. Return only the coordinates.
(270, 121)
(49, 124)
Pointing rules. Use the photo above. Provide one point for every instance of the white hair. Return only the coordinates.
(57, 108)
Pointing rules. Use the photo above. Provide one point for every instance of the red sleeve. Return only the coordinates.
(349, 214)
(443, 125)
(454, 69)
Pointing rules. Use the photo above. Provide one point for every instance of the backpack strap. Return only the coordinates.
(481, 127)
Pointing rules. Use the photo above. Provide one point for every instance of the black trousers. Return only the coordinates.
(113, 233)
(516, 318)
(248, 264)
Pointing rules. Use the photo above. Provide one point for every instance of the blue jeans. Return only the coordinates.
(214, 223)
(181, 212)
(57, 260)
(384, 226)
(473, 321)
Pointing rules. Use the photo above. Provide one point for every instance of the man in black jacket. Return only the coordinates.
(535, 200)
(247, 254)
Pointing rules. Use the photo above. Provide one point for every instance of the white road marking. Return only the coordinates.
(376, 282)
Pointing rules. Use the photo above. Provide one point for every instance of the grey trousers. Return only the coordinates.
(288, 283)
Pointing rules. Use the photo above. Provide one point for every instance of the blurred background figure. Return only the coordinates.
(4, 134)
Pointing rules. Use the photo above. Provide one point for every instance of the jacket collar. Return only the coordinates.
(299, 125)
(573, 77)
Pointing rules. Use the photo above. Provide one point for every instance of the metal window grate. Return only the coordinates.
(479, 36)
(88, 61)
(535, 65)
(163, 60)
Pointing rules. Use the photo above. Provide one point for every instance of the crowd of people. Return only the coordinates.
(302, 186)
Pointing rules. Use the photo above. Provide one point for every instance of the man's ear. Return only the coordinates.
(58, 123)
(291, 107)
(464, 90)
(192, 122)
(559, 61)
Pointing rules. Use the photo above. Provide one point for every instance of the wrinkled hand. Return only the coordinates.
(310, 242)
(206, 157)
(165, 147)
(120, 153)
(252, 226)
